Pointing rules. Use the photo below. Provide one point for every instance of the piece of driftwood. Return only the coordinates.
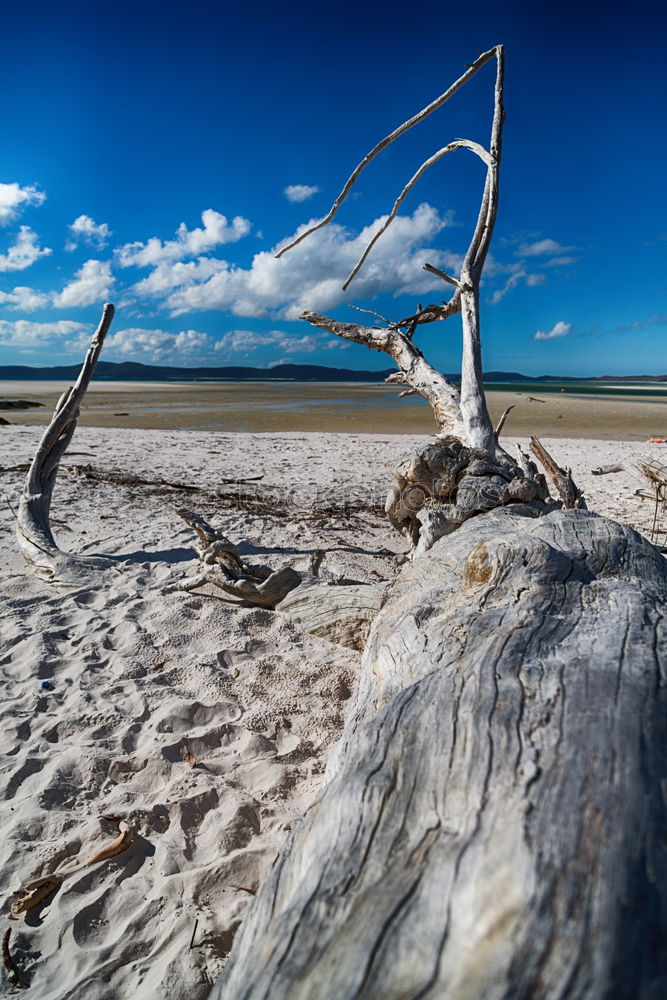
(341, 614)
(35, 892)
(561, 478)
(607, 470)
(222, 566)
(493, 824)
(33, 530)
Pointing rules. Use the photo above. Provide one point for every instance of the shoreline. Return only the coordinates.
(258, 407)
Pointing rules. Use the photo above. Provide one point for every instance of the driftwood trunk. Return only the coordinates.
(494, 824)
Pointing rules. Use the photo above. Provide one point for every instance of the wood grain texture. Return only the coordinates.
(494, 820)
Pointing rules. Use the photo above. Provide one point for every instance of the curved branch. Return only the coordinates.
(474, 147)
(33, 530)
(416, 371)
(405, 127)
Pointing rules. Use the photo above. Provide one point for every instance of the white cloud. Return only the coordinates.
(540, 247)
(23, 332)
(168, 276)
(24, 252)
(560, 329)
(26, 299)
(158, 346)
(310, 276)
(92, 283)
(516, 278)
(14, 198)
(86, 230)
(244, 342)
(299, 192)
(561, 261)
(188, 243)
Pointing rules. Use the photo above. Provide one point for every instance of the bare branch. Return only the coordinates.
(417, 372)
(405, 127)
(442, 274)
(457, 144)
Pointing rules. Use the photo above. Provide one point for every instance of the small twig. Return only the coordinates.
(240, 482)
(371, 312)
(13, 974)
(194, 931)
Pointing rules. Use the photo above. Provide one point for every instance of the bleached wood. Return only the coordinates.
(474, 147)
(483, 58)
(341, 614)
(561, 478)
(221, 565)
(493, 822)
(418, 373)
(33, 530)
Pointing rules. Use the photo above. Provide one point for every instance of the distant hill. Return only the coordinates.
(133, 371)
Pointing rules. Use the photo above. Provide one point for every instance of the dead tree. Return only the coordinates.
(467, 471)
(493, 819)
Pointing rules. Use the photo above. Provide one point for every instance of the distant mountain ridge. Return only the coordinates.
(134, 371)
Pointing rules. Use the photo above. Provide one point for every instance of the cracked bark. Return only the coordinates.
(493, 817)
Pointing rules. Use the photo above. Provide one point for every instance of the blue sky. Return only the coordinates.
(155, 155)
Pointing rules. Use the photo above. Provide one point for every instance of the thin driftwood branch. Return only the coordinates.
(501, 423)
(401, 130)
(33, 530)
(475, 147)
(567, 489)
(441, 274)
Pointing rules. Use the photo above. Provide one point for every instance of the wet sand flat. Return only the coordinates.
(335, 407)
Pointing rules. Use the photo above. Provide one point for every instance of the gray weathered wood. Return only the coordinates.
(339, 613)
(494, 821)
(33, 529)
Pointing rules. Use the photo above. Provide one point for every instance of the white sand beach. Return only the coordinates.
(203, 724)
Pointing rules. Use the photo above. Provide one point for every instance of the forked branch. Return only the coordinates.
(468, 411)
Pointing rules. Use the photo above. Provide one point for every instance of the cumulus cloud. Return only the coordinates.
(92, 283)
(560, 329)
(216, 230)
(311, 275)
(244, 342)
(541, 247)
(158, 346)
(14, 198)
(24, 251)
(86, 230)
(24, 333)
(299, 192)
(23, 298)
(170, 275)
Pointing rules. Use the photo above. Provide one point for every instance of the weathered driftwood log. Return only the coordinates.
(222, 566)
(494, 821)
(33, 529)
